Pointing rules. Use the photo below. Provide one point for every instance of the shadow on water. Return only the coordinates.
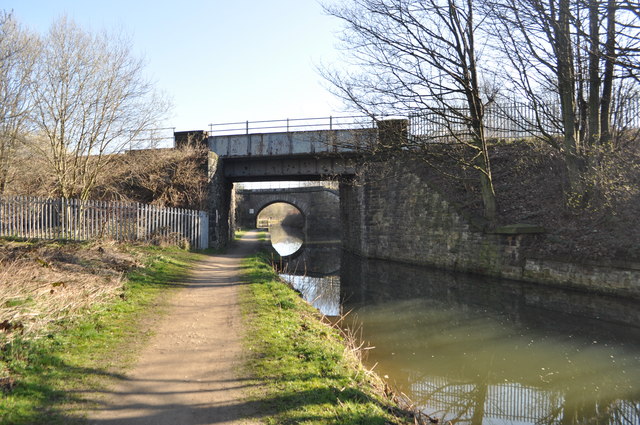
(478, 350)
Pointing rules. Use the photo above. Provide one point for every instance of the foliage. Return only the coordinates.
(163, 177)
(571, 66)
(418, 58)
(16, 68)
(91, 100)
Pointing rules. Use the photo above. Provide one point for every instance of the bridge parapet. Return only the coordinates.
(296, 143)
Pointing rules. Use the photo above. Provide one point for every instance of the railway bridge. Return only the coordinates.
(247, 154)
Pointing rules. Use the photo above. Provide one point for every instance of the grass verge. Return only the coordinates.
(305, 369)
(41, 375)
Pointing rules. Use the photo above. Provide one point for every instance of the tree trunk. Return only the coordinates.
(483, 164)
(607, 83)
(566, 88)
(593, 136)
(488, 197)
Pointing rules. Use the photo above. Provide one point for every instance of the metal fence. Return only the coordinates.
(292, 124)
(72, 219)
(502, 120)
(511, 121)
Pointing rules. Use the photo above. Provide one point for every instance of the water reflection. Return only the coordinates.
(321, 292)
(484, 351)
(475, 366)
(286, 240)
(313, 270)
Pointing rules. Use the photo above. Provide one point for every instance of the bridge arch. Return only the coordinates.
(258, 200)
(319, 206)
(297, 204)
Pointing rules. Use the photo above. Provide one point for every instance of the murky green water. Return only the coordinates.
(484, 351)
(481, 367)
(475, 350)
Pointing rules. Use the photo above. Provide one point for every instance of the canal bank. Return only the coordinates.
(307, 371)
(479, 349)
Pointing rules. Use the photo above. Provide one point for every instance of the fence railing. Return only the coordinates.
(292, 124)
(72, 219)
(502, 120)
(510, 121)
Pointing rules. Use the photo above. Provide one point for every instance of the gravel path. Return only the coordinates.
(188, 373)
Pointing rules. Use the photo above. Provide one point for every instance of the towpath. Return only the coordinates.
(188, 373)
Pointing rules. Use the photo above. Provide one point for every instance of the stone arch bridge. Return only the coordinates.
(319, 206)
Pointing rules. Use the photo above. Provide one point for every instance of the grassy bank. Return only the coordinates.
(42, 371)
(305, 369)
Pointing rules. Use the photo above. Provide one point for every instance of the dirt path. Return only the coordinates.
(187, 374)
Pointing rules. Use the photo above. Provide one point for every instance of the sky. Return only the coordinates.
(217, 60)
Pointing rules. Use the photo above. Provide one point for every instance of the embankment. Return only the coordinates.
(307, 372)
(400, 211)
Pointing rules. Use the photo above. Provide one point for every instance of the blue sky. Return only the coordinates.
(218, 60)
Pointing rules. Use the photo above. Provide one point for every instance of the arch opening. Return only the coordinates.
(286, 224)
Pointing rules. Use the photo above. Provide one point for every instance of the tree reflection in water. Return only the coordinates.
(474, 350)
(477, 403)
(480, 351)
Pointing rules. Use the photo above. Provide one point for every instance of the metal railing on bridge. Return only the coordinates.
(292, 124)
(506, 120)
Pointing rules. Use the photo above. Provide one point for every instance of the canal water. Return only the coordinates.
(475, 350)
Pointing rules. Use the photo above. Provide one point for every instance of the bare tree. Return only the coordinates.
(91, 101)
(549, 56)
(17, 58)
(419, 57)
(630, 61)
(538, 65)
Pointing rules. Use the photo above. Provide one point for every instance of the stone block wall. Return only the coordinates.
(395, 215)
(220, 201)
(320, 207)
(325, 207)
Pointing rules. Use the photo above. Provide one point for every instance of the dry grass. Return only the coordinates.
(42, 283)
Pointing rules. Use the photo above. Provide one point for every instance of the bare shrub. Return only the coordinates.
(163, 177)
(172, 239)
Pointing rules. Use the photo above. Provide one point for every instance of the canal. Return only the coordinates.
(476, 350)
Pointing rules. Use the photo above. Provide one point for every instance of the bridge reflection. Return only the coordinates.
(512, 402)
